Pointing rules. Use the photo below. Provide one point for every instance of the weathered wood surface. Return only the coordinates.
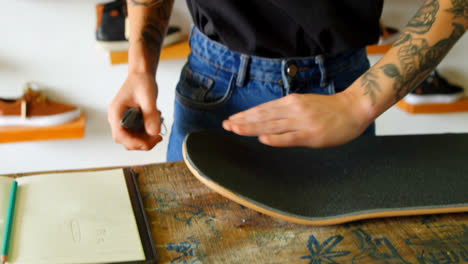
(192, 224)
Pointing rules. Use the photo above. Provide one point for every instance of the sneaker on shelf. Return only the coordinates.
(434, 90)
(173, 35)
(113, 27)
(34, 109)
(388, 36)
(110, 26)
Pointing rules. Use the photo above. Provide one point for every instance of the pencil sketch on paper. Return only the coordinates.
(75, 230)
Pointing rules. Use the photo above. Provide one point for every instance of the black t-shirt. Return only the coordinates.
(289, 28)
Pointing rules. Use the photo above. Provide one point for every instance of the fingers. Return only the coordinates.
(291, 139)
(151, 116)
(294, 120)
(276, 109)
(260, 128)
(134, 141)
(114, 114)
(274, 117)
(139, 90)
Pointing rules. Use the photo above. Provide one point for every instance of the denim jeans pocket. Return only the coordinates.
(200, 91)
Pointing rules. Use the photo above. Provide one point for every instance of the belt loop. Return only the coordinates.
(192, 29)
(323, 71)
(242, 74)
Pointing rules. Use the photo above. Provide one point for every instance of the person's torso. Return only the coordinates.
(288, 28)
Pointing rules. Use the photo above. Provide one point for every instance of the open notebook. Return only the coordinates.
(77, 217)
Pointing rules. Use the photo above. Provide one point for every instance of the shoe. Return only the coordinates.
(110, 26)
(173, 35)
(388, 36)
(34, 109)
(434, 90)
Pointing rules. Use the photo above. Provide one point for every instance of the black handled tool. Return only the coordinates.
(132, 120)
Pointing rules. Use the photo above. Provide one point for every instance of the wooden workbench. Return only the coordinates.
(192, 224)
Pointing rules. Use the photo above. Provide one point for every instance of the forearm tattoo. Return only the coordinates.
(459, 9)
(417, 59)
(154, 28)
(152, 35)
(421, 22)
(371, 86)
(424, 19)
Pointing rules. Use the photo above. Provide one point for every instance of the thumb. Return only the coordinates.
(152, 117)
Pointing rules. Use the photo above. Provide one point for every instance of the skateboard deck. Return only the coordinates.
(370, 177)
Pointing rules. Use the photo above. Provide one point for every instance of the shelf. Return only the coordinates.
(182, 50)
(71, 130)
(174, 51)
(458, 106)
(378, 49)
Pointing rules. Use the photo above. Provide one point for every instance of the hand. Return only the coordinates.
(139, 90)
(308, 120)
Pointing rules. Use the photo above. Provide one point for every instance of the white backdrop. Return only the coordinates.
(52, 42)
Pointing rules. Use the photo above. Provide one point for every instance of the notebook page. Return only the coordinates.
(5, 188)
(79, 217)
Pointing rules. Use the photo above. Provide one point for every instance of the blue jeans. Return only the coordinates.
(217, 82)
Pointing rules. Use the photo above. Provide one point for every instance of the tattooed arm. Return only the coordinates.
(148, 25)
(424, 42)
(324, 121)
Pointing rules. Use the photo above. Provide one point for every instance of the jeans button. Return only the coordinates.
(292, 70)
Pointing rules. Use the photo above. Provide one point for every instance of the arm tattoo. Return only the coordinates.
(421, 22)
(147, 2)
(459, 8)
(152, 35)
(154, 28)
(424, 18)
(418, 59)
(371, 87)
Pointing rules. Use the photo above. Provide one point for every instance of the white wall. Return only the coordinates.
(52, 42)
